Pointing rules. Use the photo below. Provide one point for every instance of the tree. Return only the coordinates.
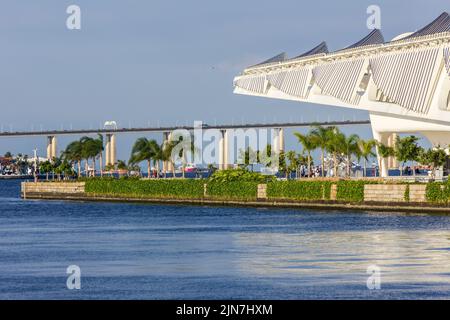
(321, 136)
(309, 143)
(366, 151)
(46, 167)
(336, 145)
(433, 157)
(407, 149)
(144, 150)
(73, 153)
(350, 147)
(8, 155)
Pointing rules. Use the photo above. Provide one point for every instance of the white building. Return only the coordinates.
(404, 83)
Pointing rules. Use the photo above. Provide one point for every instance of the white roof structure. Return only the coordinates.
(404, 83)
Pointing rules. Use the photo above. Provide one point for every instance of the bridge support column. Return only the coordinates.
(223, 150)
(165, 142)
(281, 140)
(107, 150)
(51, 147)
(110, 149)
(113, 152)
(276, 140)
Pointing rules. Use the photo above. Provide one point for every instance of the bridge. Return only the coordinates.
(110, 133)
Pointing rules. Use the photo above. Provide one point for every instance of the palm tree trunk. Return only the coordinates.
(309, 164)
(93, 164)
(348, 165)
(323, 164)
(184, 165)
(149, 168)
(79, 168)
(335, 164)
(157, 168)
(101, 163)
(365, 168)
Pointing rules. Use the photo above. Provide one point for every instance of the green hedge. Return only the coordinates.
(176, 188)
(348, 190)
(235, 190)
(438, 192)
(299, 190)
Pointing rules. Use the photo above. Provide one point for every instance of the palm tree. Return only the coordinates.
(321, 136)
(89, 150)
(384, 152)
(350, 147)
(335, 144)
(100, 148)
(309, 143)
(143, 150)
(73, 153)
(366, 151)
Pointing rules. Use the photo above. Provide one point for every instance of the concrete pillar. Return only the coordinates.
(108, 150)
(392, 161)
(383, 138)
(49, 147)
(275, 140)
(165, 140)
(223, 150)
(281, 140)
(54, 149)
(113, 152)
(170, 167)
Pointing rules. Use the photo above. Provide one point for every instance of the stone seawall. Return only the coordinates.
(28, 189)
(384, 197)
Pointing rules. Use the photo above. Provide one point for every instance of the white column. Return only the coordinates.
(165, 141)
(54, 149)
(108, 150)
(222, 149)
(49, 147)
(170, 167)
(113, 152)
(281, 140)
(275, 140)
(383, 138)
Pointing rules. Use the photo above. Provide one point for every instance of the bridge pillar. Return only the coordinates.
(110, 149)
(223, 150)
(281, 140)
(51, 147)
(107, 150)
(165, 141)
(276, 139)
(113, 152)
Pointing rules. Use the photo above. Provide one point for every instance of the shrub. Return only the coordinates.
(348, 190)
(240, 175)
(237, 190)
(299, 190)
(437, 192)
(173, 188)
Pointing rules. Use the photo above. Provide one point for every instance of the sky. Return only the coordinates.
(144, 63)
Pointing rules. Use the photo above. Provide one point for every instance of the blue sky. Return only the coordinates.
(168, 62)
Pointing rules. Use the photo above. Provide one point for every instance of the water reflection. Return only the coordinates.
(320, 257)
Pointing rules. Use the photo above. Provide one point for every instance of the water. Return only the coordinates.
(135, 251)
